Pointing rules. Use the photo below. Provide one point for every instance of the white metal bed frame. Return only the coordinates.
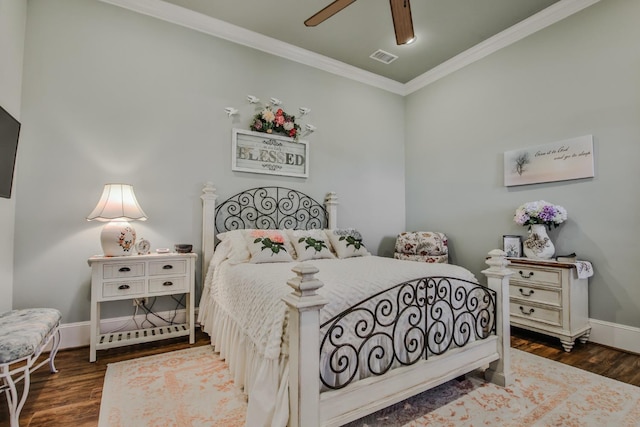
(308, 406)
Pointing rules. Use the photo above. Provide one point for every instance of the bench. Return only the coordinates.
(24, 334)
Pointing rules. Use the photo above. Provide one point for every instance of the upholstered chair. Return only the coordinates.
(424, 246)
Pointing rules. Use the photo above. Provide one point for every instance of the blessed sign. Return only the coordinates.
(559, 161)
(259, 152)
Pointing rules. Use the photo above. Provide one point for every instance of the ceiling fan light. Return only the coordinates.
(411, 40)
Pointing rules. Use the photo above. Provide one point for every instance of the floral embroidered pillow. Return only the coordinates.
(310, 244)
(347, 242)
(268, 246)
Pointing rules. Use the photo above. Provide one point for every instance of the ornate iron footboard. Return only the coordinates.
(403, 325)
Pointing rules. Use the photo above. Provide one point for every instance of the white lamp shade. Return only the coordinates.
(117, 205)
(118, 202)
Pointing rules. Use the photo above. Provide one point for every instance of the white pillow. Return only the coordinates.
(310, 244)
(347, 242)
(239, 250)
(222, 252)
(268, 246)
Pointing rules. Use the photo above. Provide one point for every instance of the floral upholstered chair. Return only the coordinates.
(424, 246)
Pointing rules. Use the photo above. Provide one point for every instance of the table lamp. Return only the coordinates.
(117, 206)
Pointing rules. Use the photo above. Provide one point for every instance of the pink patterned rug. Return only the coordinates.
(190, 388)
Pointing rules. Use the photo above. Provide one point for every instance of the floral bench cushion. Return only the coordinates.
(424, 246)
(23, 331)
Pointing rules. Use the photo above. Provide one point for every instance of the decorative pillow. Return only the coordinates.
(268, 246)
(239, 251)
(347, 242)
(222, 252)
(310, 244)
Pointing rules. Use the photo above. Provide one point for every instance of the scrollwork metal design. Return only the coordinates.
(402, 325)
(270, 208)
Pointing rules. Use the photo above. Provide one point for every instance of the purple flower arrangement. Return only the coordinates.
(540, 212)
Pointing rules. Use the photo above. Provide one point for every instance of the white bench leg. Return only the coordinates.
(54, 350)
(14, 401)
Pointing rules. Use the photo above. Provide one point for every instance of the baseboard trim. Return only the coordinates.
(615, 335)
(622, 337)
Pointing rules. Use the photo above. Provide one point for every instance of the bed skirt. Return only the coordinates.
(260, 378)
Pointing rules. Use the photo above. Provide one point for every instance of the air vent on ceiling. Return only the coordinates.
(382, 56)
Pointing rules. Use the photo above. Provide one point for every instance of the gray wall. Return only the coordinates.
(13, 16)
(110, 95)
(114, 96)
(577, 77)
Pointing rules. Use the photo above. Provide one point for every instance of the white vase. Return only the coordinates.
(538, 245)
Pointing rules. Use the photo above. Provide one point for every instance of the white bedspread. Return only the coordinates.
(243, 311)
(255, 298)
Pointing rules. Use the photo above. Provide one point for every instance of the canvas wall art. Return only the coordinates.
(558, 161)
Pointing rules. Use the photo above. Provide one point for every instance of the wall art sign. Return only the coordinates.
(259, 152)
(558, 161)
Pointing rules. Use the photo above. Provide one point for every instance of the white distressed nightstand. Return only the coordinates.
(140, 276)
(549, 298)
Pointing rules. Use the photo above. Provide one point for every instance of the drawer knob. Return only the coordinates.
(167, 283)
(167, 267)
(124, 269)
(124, 287)
(526, 295)
(531, 310)
(528, 276)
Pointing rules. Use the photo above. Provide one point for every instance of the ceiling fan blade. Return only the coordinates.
(402, 22)
(327, 12)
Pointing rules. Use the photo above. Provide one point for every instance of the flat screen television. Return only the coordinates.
(9, 133)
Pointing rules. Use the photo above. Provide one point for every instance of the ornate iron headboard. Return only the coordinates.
(270, 208)
(263, 207)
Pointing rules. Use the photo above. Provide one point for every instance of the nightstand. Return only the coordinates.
(549, 298)
(141, 276)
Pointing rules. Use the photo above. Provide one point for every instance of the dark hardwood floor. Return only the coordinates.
(71, 397)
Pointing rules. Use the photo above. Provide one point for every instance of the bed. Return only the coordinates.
(324, 337)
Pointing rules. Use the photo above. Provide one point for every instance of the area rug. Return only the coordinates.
(193, 388)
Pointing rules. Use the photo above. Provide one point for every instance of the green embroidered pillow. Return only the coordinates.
(310, 244)
(347, 242)
(268, 246)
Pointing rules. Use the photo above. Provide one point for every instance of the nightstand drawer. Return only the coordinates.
(168, 267)
(537, 275)
(130, 287)
(168, 284)
(124, 269)
(536, 313)
(535, 294)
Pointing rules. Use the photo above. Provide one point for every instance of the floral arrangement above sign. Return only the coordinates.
(539, 216)
(278, 122)
(272, 119)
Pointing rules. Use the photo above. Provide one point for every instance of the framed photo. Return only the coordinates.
(512, 245)
(271, 154)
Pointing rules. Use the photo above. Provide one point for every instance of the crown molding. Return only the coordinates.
(554, 13)
(205, 24)
(199, 22)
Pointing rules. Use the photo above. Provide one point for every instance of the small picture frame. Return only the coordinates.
(512, 245)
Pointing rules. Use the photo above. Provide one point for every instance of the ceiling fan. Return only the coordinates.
(400, 12)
